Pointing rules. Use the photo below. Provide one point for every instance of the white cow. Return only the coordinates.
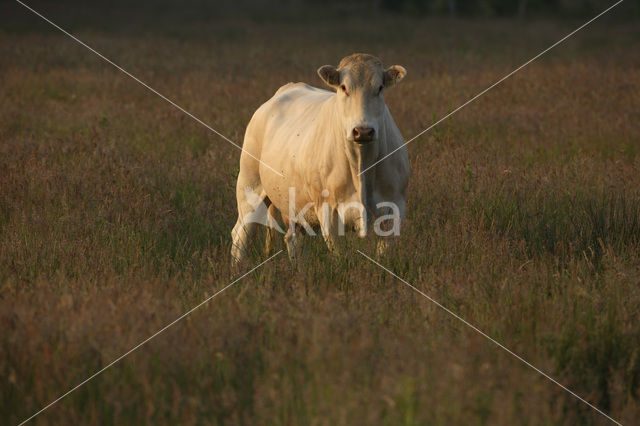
(320, 141)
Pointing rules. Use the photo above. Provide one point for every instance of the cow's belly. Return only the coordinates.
(290, 196)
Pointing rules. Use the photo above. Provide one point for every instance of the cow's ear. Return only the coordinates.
(330, 75)
(393, 75)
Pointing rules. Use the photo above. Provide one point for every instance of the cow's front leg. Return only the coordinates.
(387, 225)
(329, 227)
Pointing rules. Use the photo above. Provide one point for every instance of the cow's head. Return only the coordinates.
(360, 81)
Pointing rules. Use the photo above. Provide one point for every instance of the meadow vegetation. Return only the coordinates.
(116, 212)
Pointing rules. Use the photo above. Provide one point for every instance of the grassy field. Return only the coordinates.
(116, 209)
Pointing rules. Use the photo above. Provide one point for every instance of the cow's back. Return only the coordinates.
(289, 115)
(282, 133)
(294, 103)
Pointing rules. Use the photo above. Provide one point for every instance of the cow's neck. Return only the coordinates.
(360, 158)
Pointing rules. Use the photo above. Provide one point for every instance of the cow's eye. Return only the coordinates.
(343, 88)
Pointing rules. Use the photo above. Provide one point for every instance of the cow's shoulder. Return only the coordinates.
(393, 172)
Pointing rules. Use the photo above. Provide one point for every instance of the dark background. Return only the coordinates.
(173, 12)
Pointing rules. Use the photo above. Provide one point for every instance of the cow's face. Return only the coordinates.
(360, 81)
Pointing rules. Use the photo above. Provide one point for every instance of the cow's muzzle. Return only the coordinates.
(363, 134)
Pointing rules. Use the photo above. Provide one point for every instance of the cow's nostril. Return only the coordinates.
(363, 134)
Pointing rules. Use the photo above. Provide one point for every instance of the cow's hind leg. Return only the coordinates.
(252, 211)
(272, 229)
(293, 241)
